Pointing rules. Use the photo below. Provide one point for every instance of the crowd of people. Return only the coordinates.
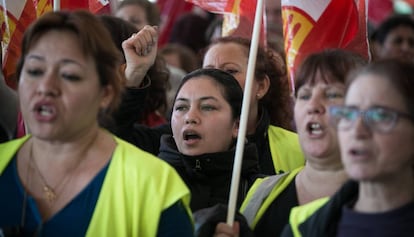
(111, 134)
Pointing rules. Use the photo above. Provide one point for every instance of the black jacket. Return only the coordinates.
(325, 220)
(208, 176)
(261, 140)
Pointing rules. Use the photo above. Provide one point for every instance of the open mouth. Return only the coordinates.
(45, 110)
(191, 135)
(314, 128)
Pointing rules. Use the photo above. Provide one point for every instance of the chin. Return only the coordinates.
(359, 175)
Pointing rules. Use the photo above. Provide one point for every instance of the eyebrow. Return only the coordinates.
(63, 61)
(204, 98)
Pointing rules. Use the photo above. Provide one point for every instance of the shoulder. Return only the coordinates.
(8, 149)
(281, 132)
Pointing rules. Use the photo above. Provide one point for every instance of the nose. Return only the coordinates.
(192, 117)
(316, 106)
(361, 128)
(48, 86)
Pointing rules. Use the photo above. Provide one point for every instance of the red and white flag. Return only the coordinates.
(15, 16)
(311, 26)
(238, 16)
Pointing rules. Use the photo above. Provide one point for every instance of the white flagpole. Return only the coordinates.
(56, 5)
(244, 114)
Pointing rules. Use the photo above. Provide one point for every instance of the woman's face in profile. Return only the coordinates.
(202, 120)
(59, 89)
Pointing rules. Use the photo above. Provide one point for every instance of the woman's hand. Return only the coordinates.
(140, 51)
(224, 230)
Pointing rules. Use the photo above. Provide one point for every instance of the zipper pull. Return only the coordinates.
(198, 165)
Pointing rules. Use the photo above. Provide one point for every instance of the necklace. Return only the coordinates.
(49, 192)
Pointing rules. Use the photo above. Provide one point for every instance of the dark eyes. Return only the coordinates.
(231, 71)
(328, 95)
(71, 77)
(202, 107)
(39, 72)
(34, 72)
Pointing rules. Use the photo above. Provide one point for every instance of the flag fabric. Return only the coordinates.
(170, 10)
(14, 19)
(94, 6)
(16, 16)
(311, 26)
(238, 16)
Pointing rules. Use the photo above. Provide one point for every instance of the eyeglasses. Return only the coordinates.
(377, 118)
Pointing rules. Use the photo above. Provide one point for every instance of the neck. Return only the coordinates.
(65, 151)
(317, 183)
(252, 121)
(383, 196)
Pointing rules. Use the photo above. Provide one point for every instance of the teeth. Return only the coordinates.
(315, 128)
(45, 110)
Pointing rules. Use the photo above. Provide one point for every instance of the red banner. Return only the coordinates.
(238, 16)
(15, 17)
(311, 26)
(170, 10)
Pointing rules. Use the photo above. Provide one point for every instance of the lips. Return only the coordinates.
(191, 135)
(45, 111)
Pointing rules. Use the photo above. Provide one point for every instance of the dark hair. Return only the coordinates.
(151, 9)
(398, 73)
(156, 98)
(388, 25)
(189, 30)
(94, 40)
(277, 100)
(333, 65)
(188, 59)
(119, 29)
(230, 87)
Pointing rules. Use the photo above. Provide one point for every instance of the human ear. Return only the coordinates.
(263, 87)
(107, 96)
(236, 125)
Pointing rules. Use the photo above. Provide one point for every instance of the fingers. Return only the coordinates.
(224, 230)
(142, 42)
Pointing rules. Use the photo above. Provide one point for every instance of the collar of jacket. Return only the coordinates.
(210, 164)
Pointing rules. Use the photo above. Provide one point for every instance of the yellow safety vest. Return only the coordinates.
(262, 194)
(136, 189)
(285, 148)
(300, 214)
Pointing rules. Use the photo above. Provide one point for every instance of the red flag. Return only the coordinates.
(311, 26)
(99, 6)
(379, 10)
(170, 10)
(238, 16)
(14, 19)
(94, 6)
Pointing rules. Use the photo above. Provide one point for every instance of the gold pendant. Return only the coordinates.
(50, 195)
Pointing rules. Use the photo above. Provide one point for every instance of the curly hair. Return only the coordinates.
(277, 101)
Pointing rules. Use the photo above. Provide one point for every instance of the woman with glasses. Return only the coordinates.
(375, 131)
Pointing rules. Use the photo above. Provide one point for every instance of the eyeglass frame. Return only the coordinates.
(366, 119)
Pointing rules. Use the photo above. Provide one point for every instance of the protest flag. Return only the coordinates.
(311, 26)
(238, 16)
